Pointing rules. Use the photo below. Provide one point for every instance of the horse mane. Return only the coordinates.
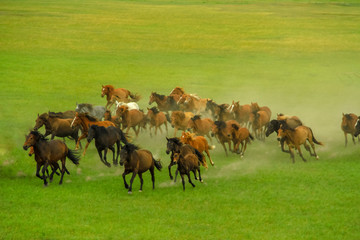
(180, 114)
(161, 97)
(83, 105)
(196, 117)
(155, 110)
(220, 124)
(182, 91)
(195, 96)
(129, 147)
(348, 116)
(91, 118)
(39, 135)
(175, 140)
(109, 86)
(236, 127)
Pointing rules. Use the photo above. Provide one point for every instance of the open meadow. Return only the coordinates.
(299, 57)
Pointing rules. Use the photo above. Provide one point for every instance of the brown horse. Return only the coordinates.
(255, 108)
(131, 119)
(297, 137)
(348, 125)
(137, 161)
(180, 120)
(223, 132)
(176, 93)
(240, 136)
(156, 119)
(50, 152)
(165, 103)
(242, 112)
(219, 112)
(260, 124)
(192, 103)
(85, 121)
(186, 164)
(201, 126)
(119, 94)
(114, 119)
(199, 143)
(55, 126)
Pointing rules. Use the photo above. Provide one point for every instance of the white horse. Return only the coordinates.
(130, 105)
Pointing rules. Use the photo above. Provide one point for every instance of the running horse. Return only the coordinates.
(192, 103)
(85, 121)
(119, 94)
(348, 125)
(165, 103)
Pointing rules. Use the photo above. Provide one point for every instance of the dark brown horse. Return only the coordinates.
(348, 125)
(223, 132)
(49, 153)
(56, 126)
(137, 161)
(186, 164)
(165, 103)
(85, 121)
(156, 119)
(119, 94)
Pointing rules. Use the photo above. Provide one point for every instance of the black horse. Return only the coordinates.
(105, 138)
(357, 128)
(175, 146)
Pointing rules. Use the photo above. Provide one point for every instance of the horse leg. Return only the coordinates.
(175, 130)
(208, 154)
(46, 164)
(194, 171)
(300, 153)
(200, 179)
(141, 182)
(292, 154)
(353, 138)
(183, 181)
(62, 170)
(87, 144)
(313, 147)
(166, 127)
(223, 144)
(55, 167)
(169, 167)
(38, 166)
(345, 139)
(113, 151)
(208, 136)
(131, 182)
(126, 172)
(152, 176)
(105, 160)
(243, 147)
(188, 175)
(282, 141)
(176, 173)
(118, 151)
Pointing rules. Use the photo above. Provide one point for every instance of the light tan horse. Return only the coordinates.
(119, 94)
(260, 124)
(192, 103)
(156, 119)
(199, 143)
(131, 119)
(177, 92)
(294, 138)
(348, 125)
(180, 120)
(242, 112)
(255, 108)
(201, 126)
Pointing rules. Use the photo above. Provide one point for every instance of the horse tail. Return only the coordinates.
(251, 137)
(135, 97)
(314, 140)
(200, 157)
(157, 164)
(74, 156)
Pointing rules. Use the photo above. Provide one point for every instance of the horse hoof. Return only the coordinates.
(129, 192)
(201, 181)
(140, 190)
(317, 157)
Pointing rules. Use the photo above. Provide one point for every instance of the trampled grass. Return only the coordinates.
(297, 57)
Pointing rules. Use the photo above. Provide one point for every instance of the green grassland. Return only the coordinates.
(297, 57)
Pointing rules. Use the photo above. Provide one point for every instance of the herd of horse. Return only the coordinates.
(199, 119)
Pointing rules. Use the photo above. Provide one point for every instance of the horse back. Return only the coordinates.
(53, 150)
(145, 160)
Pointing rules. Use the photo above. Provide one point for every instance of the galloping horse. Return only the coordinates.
(201, 126)
(119, 94)
(239, 136)
(131, 119)
(180, 120)
(255, 108)
(137, 161)
(242, 112)
(219, 112)
(165, 103)
(114, 119)
(260, 123)
(348, 125)
(156, 119)
(186, 164)
(85, 121)
(199, 143)
(105, 138)
(50, 152)
(175, 146)
(192, 103)
(223, 132)
(297, 137)
(55, 126)
(176, 93)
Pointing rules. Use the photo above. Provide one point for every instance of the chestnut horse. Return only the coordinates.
(137, 161)
(297, 137)
(176, 93)
(242, 112)
(348, 125)
(255, 108)
(223, 132)
(165, 103)
(219, 112)
(260, 123)
(186, 164)
(156, 119)
(113, 119)
(180, 120)
(201, 126)
(119, 94)
(199, 143)
(50, 152)
(192, 103)
(85, 121)
(241, 136)
(131, 119)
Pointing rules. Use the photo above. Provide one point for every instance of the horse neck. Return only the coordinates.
(161, 102)
(48, 123)
(84, 122)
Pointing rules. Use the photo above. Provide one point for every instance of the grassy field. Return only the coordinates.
(297, 57)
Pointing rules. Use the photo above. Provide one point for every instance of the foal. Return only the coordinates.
(186, 164)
